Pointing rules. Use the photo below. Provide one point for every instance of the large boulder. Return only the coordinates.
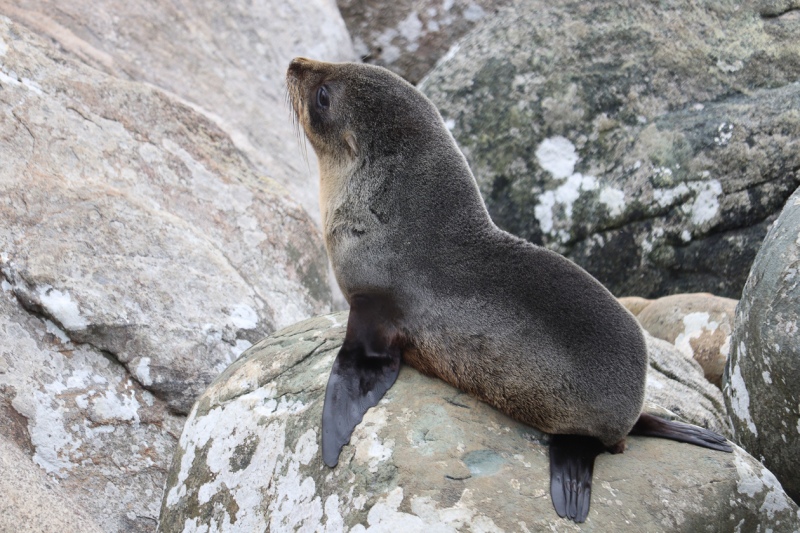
(227, 58)
(699, 325)
(409, 36)
(96, 444)
(651, 142)
(427, 457)
(134, 224)
(762, 379)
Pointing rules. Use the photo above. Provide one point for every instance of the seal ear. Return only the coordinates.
(350, 140)
(365, 368)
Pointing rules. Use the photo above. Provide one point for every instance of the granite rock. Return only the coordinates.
(762, 378)
(226, 59)
(652, 143)
(427, 457)
(133, 223)
(699, 325)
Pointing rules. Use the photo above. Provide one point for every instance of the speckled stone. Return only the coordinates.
(651, 142)
(426, 458)
(762, 379)
(699, 325)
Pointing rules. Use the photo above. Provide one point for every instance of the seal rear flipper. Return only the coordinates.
(571, 467)
(365, 368)
(654, 426)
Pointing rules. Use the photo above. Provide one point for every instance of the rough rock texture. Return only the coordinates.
(31, 502)
(133, 223)
(676, 383)
(699, 325)
(651, 142)
(226, 57)
(762, 379)
(95, 436)
(409, 36)
(426, 458)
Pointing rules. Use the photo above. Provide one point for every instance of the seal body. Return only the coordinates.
(432, 281)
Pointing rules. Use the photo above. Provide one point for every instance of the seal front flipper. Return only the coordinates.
(571, 467)
(365, 368)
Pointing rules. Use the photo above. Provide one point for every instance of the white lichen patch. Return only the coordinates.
(614, 200)
(740, 398)
(724, 134)
(244, 317)
(668, 197)
(694, 326)
(245, 439)
(425, 515)
(706, 202)
(369, 448)
(57, 331)
(558, 156)
(755, 479)
(142, 371)
(295, 505)
(61, 307)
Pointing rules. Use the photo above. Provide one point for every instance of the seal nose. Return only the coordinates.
(297, 67)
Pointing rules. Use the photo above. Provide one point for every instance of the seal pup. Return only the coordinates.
(433, 282)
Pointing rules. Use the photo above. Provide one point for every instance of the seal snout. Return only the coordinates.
(296, 67)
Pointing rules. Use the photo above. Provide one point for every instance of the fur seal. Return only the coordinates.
(431, 281)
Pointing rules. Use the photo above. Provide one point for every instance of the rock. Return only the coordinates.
(634, 304)
(762, 378)
(226, 58)
(133, 224)
(427, 457)
(409, 37)
(31, 503)
(652, 143)
(699, 325)
(676, 383)
(84, 438)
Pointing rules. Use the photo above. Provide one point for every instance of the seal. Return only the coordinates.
(432, 282)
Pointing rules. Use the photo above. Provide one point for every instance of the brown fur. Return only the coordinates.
(514, 324)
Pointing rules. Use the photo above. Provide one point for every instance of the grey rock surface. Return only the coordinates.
(89, 433)
(410, 36)
(31, 503)
(426, 458)
(225, 58)
(133, 223)
(699, 325)
(652, 143)
(762, 379)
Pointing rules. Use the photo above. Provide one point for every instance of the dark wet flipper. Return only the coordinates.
(571, 467)
(365, 368)
(653, 426)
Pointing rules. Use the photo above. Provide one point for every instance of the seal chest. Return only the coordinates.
(433, 282)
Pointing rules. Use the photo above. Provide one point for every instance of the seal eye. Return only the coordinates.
(323, 98)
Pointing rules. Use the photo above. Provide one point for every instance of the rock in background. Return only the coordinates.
(762, 379)
(427, 457)
(228, 58)
(140, 252)
(652, 143)
(699, 325)
(410, 36)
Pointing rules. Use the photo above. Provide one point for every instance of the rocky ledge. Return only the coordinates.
(429, 456)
